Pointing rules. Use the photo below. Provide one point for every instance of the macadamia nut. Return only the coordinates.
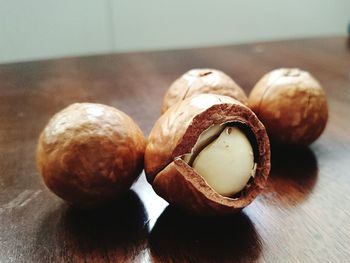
(227, 163)
(292, 105)
(208, 154)
(90, 153)
(200, 81)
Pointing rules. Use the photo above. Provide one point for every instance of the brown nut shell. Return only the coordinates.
(175, 134)
(90, 153)
(292, 105)
(199, 81)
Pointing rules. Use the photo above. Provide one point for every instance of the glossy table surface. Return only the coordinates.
(303, 215)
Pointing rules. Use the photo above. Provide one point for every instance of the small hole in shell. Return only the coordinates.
(206, 73)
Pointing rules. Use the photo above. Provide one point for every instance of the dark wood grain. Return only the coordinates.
(302, 216)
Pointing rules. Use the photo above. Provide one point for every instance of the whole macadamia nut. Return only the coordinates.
(292, 105)
(90, 154)
(199, 81)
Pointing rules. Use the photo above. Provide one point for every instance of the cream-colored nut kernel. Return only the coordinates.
(204, 139)
(227, 163)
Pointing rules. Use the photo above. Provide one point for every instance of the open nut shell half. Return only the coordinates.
(175, 134)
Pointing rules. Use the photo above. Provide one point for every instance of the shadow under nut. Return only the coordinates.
(175, 180)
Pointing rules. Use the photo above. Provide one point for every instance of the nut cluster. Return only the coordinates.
(208, 153)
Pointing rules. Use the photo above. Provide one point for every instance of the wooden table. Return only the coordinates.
(302, 216)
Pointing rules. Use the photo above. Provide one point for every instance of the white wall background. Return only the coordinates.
(38, 29)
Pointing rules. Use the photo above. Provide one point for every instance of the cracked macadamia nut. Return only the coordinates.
(208, 154)
(90, 154)
(292, 105)
(199, 81)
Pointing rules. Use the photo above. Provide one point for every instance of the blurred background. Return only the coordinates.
(41, 29)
